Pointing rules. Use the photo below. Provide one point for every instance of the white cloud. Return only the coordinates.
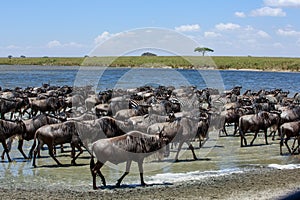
(104, 36)
(283, 32)
(188, 28)
(240, 14)
(263, 34)
(268, 11)
(54, 43)
(228, 26)
(210, 34)
(282, 3)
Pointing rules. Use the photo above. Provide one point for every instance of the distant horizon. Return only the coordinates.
(157, 56)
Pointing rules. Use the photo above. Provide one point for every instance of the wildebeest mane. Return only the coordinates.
(137, 142)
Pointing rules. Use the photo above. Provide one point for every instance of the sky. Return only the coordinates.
(35, 28)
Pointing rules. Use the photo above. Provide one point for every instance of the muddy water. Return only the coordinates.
(220, 155)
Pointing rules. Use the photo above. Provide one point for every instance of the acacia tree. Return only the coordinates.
(203, 50)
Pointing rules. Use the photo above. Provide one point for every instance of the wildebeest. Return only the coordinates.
(125, 114)
(55, 134)
(288, 130)
(12, 106)
(255, 122)
(9, 129)
(290, 115)
(133, 146)
(232, 116)
(181, 130)
(31, 126)
(77, 133)
(51, 104)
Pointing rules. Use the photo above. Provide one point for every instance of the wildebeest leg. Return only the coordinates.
(36, 151)
(281, 144)
(255, 135)
(20, 145)
(266, 137)
(128, 164)
(62, 148)
(192, 149)
(140, 164)
(286, 144)
(224, 129)
(95, 169)
(73, 152)
(6, 150)
(52, 155)
(178, 150)
(235, 128)
(11, 115)
(10, 140)
(243, 139)
(167, 152)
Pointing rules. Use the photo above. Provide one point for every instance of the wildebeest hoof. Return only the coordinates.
(144, 184)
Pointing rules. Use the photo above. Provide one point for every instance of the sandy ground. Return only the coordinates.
(259, 184)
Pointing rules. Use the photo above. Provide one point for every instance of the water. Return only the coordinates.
(220, 157)
(24, 76)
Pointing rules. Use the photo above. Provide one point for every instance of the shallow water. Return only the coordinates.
(220, 156)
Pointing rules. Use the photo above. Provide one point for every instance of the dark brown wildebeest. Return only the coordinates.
(232, 116)
(51, 104)
(125, 114)
(9, 129)
(77, 133)
(286, 131)
(57, 134)
(12, 106)
(31, 126)
(255, 122)
(133, 146)
(182, 130)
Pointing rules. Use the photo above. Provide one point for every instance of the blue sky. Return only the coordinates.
(74, 28)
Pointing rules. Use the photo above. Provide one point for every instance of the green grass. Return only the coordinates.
(198, 62)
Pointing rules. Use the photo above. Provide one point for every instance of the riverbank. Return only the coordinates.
(186, 62)
(263, 183)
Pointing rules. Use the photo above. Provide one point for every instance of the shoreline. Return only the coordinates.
(175, 62)
(264, 183)
(163, 68)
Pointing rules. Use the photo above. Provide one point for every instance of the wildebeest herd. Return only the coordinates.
(125, 125)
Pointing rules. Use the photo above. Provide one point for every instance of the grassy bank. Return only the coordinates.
(217, 62)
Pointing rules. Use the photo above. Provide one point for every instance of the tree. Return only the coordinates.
(10, 56)
(203, 50)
